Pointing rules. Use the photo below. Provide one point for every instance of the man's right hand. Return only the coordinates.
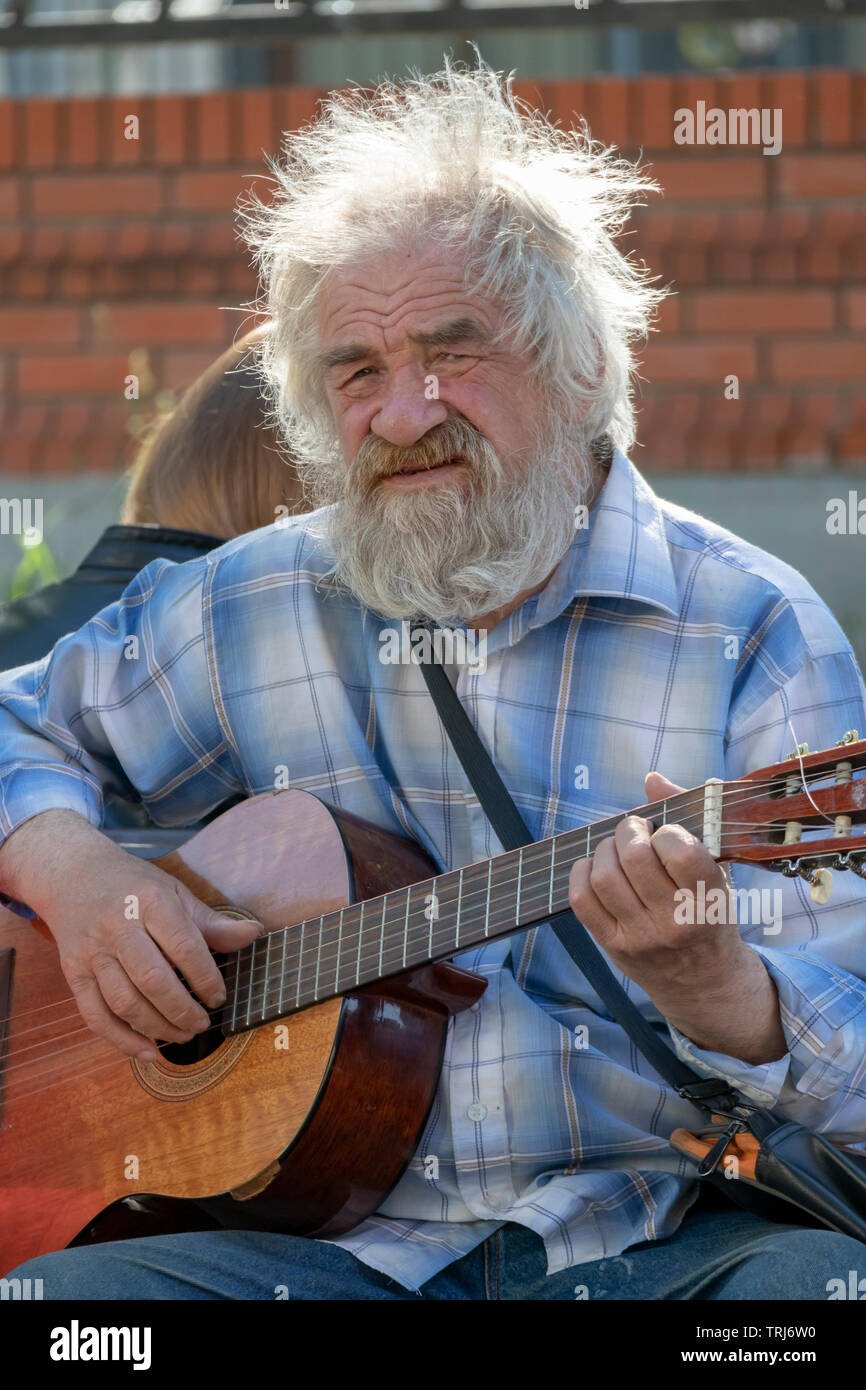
(121, 926)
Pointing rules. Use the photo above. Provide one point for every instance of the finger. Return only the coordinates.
(151, 974)
(585, 904)
(642, 866)
(171, 925)
(223, 933)
(613, 889)
(659, 787)
(686, 860)
(129, 1005)
(101, 1021)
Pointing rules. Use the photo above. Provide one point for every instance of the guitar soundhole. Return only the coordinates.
(203, 1044)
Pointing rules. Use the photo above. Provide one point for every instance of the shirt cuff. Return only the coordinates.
(27, 790)
(817, 1001)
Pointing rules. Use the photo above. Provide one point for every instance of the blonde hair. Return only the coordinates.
(215, 464)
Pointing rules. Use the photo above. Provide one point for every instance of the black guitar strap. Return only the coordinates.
(509, 826)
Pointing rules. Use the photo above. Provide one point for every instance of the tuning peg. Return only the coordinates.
(820, 886)
(798, 752)
(852, 736)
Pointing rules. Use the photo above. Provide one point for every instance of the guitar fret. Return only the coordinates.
(519, 884)
(360, 934)
(250, 985)
(235, 991)
(318, 957)
(339, 947)
(487, 904)
(265, 982)
(550, 889)
(459, 902)
(432, 911)
(284, 943)
(406, 925)
(300, 966)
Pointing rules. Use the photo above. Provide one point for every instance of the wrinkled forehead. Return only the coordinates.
(386, 297)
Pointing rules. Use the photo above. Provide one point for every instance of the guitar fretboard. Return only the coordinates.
(321, 957)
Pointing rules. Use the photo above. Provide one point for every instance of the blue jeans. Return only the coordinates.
(718, 1253)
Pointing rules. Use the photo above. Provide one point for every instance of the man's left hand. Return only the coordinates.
(704, 979)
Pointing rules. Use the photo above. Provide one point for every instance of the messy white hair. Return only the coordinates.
(533, 208)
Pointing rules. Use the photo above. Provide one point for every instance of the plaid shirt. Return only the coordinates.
(660, 641)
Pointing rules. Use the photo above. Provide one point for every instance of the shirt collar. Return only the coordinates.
(622, 552)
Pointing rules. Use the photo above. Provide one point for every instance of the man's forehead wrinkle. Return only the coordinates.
(439, 310)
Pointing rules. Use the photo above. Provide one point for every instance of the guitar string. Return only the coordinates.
(734, 789)
(332, 957)
(244, 979)
(326, 957)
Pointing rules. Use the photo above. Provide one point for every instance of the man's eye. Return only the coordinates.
(359, 373)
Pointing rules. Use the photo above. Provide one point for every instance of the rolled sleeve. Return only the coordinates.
(819, 1080)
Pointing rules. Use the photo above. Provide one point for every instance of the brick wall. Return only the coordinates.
(119, 256)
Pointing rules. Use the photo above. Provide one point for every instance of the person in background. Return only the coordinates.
(211, 470)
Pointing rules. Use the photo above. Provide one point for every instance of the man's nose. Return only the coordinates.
(409, 409)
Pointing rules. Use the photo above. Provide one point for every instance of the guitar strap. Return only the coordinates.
(511, 829)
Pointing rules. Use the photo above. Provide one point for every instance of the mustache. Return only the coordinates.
(377, 459)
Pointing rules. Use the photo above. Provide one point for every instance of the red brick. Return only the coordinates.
(179, 369)
(213, 191)
(778, 264)
(733, 265)
(741, 91)
(745, 226)
(88, 242)
(689, 265)
(40, 133)
(611, 110)
(833, 108)
(300, 105)
(697, 360)
(858, 104)
(668, 317)
(48, 374)
(654, 115)
(854, 310)
(213, 128)
(8, 141)
(18, 455)
(46, 326)
(719, 176)
(763, 311)
(570, 101)
(820, 263)
(32, 282)
(823, 176)
(10, 197)
(11, 243)
(162, 323)
(121, 115)
(75, 420)
(98, 193)
(836, 360)
(171, 142)
(132, 241)
(837, 224)
(788, 224)
(259, 137)
(76, 283)
(658, 226)
(30, 421)
(84, 120)
(788, 93)
(701, 228)
(47, 242)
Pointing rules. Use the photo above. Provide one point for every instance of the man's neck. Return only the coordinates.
(486, 622)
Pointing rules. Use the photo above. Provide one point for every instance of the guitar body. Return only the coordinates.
(308, 1123)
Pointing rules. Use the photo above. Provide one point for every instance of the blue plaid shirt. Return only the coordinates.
(661, 641)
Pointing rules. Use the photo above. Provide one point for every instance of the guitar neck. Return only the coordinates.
(317, 959)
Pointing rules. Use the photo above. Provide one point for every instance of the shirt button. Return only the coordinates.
(476, 1111)
(475, 1008)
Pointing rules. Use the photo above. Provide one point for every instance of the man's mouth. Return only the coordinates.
(413, 468)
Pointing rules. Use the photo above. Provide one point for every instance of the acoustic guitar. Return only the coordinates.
(307, 1096)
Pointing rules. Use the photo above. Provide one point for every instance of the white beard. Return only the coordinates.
(458, 549)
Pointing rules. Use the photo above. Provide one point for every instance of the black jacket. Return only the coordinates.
(30, 626)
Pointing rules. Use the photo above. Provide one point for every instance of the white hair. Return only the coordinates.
(534, 209)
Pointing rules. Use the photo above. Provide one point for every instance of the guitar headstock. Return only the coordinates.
(803, 816)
